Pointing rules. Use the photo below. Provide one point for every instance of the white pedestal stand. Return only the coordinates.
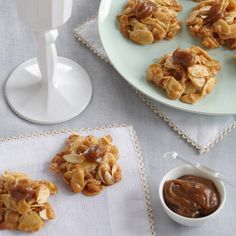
(49, 89)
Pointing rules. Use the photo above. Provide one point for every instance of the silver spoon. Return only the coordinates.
(202, 168)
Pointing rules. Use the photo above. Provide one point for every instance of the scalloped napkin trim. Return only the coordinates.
(137, 150)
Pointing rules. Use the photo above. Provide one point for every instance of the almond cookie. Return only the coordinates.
(147, 21)
(88, 164)
(188, 75)
(24, 202)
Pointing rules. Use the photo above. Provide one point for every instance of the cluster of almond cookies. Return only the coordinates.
(88, 164)
(188, 75)
(147, 21)
(214, 22)
(24, 202)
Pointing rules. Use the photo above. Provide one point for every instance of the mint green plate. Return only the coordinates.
(131, 61)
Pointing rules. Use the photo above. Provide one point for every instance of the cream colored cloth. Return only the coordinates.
(122, 209)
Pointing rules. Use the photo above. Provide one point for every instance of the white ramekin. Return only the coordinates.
(189, 170)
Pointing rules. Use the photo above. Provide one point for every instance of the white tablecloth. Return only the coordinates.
(114, 102)
(110, 212)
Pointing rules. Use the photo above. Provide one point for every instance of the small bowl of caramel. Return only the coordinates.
(191, 197)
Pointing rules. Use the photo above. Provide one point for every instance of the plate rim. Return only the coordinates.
(176, 107)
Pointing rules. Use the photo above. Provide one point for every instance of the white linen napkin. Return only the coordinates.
(122, 209)
(201, 131)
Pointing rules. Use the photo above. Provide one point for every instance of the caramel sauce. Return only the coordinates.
(191, 196)
(215, 12)
(22, 191)
(183, 58)
(145, 9)
(94, 152)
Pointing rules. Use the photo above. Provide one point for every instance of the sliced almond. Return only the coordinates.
(198, 71)
(108, 178)
(193, 16)
(74, 158)
(43, 214)
(42, 194)
(190, 98)
(209, 86)
(198, 82)
(222, 27)
(23, 207)
(49, 211)
(204, 9)
(93, 187)
(169, 63)
(141, 36)
(9, 202)
(101, 171)
(189, 88)
(162, 17)
(12, 217)
(77, 180)
(115, 168)
(30, 222)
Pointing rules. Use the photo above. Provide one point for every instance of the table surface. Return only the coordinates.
(114, 101)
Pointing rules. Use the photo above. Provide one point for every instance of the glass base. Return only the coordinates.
(30, 98)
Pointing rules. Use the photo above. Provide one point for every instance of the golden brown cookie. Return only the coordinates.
(147, 21)
(88, 164)
(214, 22)
(23, 202)
(188, 75)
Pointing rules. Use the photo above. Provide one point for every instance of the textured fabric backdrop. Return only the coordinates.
(114, 102)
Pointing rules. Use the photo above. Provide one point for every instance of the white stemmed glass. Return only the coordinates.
(49, 89)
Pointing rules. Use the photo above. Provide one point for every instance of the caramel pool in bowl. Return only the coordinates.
(191, 197)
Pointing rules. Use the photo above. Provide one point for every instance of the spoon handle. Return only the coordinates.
(226, 180)
(200, 167)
